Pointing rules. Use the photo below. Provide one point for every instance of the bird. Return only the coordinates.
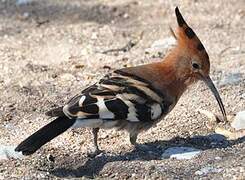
(133, 98)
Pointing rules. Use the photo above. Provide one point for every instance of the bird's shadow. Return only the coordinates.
(92, 167)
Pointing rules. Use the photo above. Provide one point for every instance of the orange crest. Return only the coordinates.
(188, 40)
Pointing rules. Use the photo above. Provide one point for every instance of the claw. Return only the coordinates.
(95, 153)
(142, 147)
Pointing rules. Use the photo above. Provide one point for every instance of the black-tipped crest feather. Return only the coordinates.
(180, 18)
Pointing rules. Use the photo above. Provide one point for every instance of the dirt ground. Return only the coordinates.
(50, 51)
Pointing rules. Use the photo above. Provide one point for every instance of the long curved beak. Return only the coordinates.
(211, 86)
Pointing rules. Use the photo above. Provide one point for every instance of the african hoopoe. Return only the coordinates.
(135, 98)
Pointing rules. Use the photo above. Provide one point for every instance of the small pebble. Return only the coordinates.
(79, 66)
(181, 153)
(217, 158)
(22, 2)
(50, 158)
(207, 170)
(239, 121)
(7, 152)
(230, 79)
(94, 36)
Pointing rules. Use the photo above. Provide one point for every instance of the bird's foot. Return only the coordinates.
(95, 153)
(142, 147)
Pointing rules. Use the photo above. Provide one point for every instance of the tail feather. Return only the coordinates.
(44, 135)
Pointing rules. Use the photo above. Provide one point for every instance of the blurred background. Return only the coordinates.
(51, 49)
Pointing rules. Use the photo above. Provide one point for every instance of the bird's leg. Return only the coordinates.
(133, 139)
(96, 150)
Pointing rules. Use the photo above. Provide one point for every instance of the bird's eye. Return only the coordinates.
(195, 66)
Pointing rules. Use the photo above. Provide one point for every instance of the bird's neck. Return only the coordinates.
(164, 76)
(174, 78)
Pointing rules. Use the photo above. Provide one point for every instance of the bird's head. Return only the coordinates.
(193, 61)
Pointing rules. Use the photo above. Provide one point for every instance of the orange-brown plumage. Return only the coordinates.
(134, 98)
(165, 75)
(185, 64)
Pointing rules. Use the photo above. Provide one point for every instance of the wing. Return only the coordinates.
(118, 96)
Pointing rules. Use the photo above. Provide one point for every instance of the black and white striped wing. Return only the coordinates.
(118, 97)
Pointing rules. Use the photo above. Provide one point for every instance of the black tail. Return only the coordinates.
(44, 135)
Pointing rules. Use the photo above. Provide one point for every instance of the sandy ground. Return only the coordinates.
(50, 51)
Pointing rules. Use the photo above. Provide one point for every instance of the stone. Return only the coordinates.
(239, 121)
(7, 152)
(181, 153)
(231, 79)
(161, 45)
(206, 170)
